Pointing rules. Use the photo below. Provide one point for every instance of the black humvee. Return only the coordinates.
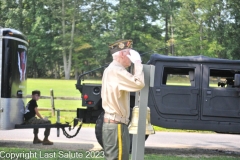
(190, 92)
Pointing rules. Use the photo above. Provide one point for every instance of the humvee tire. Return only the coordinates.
(98, 131)
(98, 128)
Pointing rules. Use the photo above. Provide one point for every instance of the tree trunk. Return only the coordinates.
(166, 33)
(63, 42)
(67, 60)
(171, 28)
(71, 43)
(201, 36)
(76, 73)
(21, 15)
(56, 71)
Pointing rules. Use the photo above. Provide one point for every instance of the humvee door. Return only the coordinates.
(221, 99)
(176, 90)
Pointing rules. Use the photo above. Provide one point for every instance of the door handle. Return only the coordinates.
(1, 109)
(158, 90)
(209, 92)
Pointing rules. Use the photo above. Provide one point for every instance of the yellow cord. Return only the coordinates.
(119, 142)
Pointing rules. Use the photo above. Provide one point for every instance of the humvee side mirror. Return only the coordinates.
(237, 80)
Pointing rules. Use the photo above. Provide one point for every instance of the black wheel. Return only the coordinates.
(98, 128)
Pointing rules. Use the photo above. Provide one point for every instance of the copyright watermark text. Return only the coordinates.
(54, 154)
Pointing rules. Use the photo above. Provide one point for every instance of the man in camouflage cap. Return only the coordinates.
(117, 83)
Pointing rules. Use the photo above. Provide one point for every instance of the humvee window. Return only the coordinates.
(178, 76)
(222, 78)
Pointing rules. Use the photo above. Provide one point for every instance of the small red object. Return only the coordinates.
(85, 97)
(90, 102)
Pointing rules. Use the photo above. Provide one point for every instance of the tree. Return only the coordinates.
(69, 37)
(194, 31)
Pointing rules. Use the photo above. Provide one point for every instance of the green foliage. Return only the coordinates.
(171, 27)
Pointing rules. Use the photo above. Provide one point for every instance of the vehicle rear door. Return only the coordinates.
(176, 90)
(220, 99)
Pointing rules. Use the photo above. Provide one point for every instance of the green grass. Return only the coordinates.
(50, 154)
(61, 87)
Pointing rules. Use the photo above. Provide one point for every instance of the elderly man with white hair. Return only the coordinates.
(117, 83)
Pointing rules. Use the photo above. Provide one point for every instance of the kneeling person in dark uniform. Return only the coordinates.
(30, 112)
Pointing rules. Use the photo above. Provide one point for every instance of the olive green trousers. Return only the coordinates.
(116, 141)
(35, 120)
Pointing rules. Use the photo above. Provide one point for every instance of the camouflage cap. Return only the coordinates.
(120, 45)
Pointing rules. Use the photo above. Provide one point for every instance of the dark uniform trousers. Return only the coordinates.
(35, 120)
(116, 141)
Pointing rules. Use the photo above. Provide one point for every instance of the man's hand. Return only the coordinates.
(37, 113)
(134, 56)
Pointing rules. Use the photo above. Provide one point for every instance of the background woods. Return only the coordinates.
(69, 37)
